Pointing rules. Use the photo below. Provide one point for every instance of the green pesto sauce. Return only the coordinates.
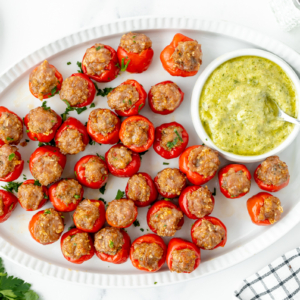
(234, 106)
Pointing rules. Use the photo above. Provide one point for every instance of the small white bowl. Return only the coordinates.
(198, 90)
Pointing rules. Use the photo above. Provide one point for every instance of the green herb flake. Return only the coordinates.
(27, 130)
(11, 207)
(44, 106)
(111, 244)
(167, 199)
(140, 106)
(74, 244)
(103, 92)
(178, 135)
(129, 101)
(36, 182)
(54, 91)
(92, 105)
(77, 196)
(47, 212)
(136, 223)
(101, 199)
(155, 282)
(215, 192)
(71, 227)
(28, 161)
(119, 195)
(165, 163)
(124, 66)
(98, 48)
(142, 153)
(71, 236)
(27, 141)
(9, 138)
(11, 156)
(80, 67)
(100, 156)
(142, 229)
(102, 189)
(68, 63)
(24, 177)
(75, 173)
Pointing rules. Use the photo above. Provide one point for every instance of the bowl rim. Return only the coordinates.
(198, 87)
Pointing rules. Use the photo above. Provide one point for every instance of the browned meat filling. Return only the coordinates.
(119, 158)
(199, 202)
(236, 183)
(166, 220)
(171, 137)
(77, 245)
(123, 97)
(138, 189)
(273, 171)
(8, 159)
(70, 142)
(86, 214)
(68, 190)
(96, 59)
(30, 196)
(95, 169)
(271, 210)
(41, 121)
(165, 96)
(109, 240)
(148, 255)
(135, 42)
(121, 212)
(187, 56)
(183, 260)
(1, 206)
(204, 161)
(49, 226)
(208, 235)
(11, 129)
(171, 181)
(43, 80)
(136, 133)
(75, 90)
(46, 169)
(103, 121)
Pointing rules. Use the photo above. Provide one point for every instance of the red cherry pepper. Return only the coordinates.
(10, 202)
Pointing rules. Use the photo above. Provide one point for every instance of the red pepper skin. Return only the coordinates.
(139, 62)
(10, 202)
(166, 111)
(151, 133)
(236, 168)
(174, 152)
(153, 191)
(111, 138)
(156, 207)
(98, 223)
(131, 169)
(58, 204)
(149, 238)
(111, 70)
(72, 123)
(180, 244)
(193, 177)
(214, 221)
(137, 107)
(41, 137)
(45, 191)
(254, 204)
(80, 173)
(82, 258)
(183, 201)
(122, 255)
(266, 187)
(167, 60)
(58, 87)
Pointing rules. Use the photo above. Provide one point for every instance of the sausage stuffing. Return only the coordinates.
(271, 210)
(30, 196)
(86, 214)
(136, 133)
(8, 160)
(120, 158)
(183, 260)
(171, 137)
(11, 128)
(70, 142)
(103, 121)
(68, 190)
(95, 169)
(135, 42)
(138, 189)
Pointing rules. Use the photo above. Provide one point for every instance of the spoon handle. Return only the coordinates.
(289, 119)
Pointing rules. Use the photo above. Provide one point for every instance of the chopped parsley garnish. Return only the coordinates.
(71, 236)
(74, 244)
(215, 192)
(69, 108)
(75, 173)
(79, 66)
(178, 135)
(76, 196)
(140, 106)
(111, 244)
(46, 197)
(28, 161)
(136, 223)
(68, 63)
(203, 144)
(172, 144)
(142, 229)
(27, 130)
(51, 143)
(101, 199)
(155, 282)
(11, 207)
(44, 105)
(120, 194)
(54, 91)
(36, 182)
(142, 153)
(133, 36)
(102, 157)
(102, 189)
(47, 212)
(91, 142)
(24, 177)
(9, 138)
(27, 141)
(124, 66)
(167, 199)
(98, 48)
(129, 101)
(11, 156)
(71, 227)
(103, 92)
(165, 163)
(92, 105)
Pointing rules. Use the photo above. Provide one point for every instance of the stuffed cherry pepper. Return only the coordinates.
(170, 182)
(135, 51)
(66, 194)
(100, 63)
(128, 98)
(78, 90)
(91, 171)
(121, 161)
(11, 127)
(182, 256)
(199, 163)
(196, 202)
(272, 174)
(165, 218)
(103, 126)
(8, 203)
(77, 246)
(89, 215)
(264, 209)
(46, 164)
(183, 57)
(112, 245)
(45, 81)
(170, 140)
(31, 195)
(234, 181)
(46, 226)
(71, 137)
(209, 233)
(148, 253)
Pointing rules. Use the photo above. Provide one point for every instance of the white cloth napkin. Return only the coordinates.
(279, 280)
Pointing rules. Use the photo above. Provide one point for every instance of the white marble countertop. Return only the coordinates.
(28, 25)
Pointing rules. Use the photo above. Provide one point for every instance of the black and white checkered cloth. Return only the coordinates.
(279, 280)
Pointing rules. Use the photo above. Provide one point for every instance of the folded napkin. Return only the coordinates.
(279, 280)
